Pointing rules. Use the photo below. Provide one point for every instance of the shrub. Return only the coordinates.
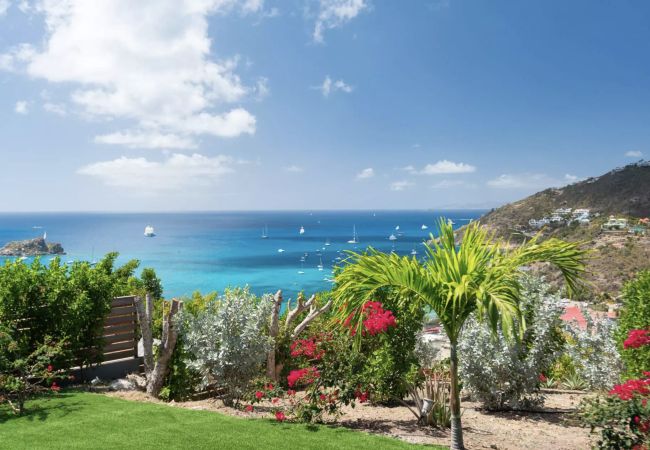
(594, 354)
(25, 373)
(227, 341)
(635, 315)
(505, 374)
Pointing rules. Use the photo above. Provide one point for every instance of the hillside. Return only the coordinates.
(618, 254)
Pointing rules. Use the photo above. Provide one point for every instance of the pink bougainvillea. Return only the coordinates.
(305, 376)
(627, 390)
(636, 339)
(307, 348)
(376, 319)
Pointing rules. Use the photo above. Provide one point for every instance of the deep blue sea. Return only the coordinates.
(211, 251)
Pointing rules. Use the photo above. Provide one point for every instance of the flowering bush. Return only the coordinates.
(635, 316)
(226, 343)
(623, 416)
(22, 376)
(505, 374)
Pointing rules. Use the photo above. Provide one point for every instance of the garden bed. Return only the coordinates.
(551, 427)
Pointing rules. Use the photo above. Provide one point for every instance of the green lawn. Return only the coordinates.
(82, 420)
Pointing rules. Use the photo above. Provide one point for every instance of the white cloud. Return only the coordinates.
(334, 13)
(55, 108)
(147, 61)
(148, 177)
(21, 107)
(143, 139)
(366, 173)
(330, 86)
(400, 185)
(442, 167)
(530, 181)
(293, 168)
(4, 6)
(634, 154)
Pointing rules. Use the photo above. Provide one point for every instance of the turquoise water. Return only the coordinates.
(211, 251)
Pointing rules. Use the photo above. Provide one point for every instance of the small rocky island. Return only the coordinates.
(32, 247)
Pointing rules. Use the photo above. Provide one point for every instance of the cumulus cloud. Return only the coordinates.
(330, 86)
(334, 13)
(530, 181)
(148, 62)
(21, 107)
(441, 168)
(400, 185)
(634, 154)
(4, 6)
(55, 108)
(366, 173)
(293, 168)
(148, 177)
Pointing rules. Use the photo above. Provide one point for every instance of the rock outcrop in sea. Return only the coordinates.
(32, 247)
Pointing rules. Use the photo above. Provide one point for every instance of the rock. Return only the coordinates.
(32, 247)
(122, 385)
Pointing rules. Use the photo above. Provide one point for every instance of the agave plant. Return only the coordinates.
(574, 382)
(480, 274)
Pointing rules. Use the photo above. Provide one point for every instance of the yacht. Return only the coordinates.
(414, 252)
(392, 237)
(327, 243)
(149, 231)
(320, 264)
(423, 227)
(302, 230)
(354, 239)
(280, 250)
(265, 232)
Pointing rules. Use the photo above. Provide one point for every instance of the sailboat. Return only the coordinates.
(280, 250)
(414, 252)
(320, 264)
(327, 243)
(45, 235)
(149, 231)
(302, 230)
(392, 237)
(265, 232)
(301, 271)
(424, 227)
(397, 228)
(354, 239)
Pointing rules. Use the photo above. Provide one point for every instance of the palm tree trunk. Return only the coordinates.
(454, 402)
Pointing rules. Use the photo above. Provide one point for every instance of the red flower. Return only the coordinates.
(378, 320)
(542, 378)
(636, 339)
(291, 392)
(249, 408)
(55, 387)
(630, 388)
(306, 347)
(280, 417)
(275, 400)
(50, 368)
(323, 397)
(269, 387)
(361, 396)
(259, 395)
(307, 376)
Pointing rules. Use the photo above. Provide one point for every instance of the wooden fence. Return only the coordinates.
(120, 332)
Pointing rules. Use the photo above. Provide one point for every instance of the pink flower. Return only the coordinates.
(259, 395)
(636, 339)
(55, 387)
(542, 378)
(322, 397)
(249, 408)
(307, 376)
(280, 417)
(50, 368)
(269, 387)
(291, 392)
(275, 400)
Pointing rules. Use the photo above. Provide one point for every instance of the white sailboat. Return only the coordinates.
(397, 228)
(327, 243)
(301, 271)
(354, 239)
(149, 231)
(424, 227)
(414, 252)
(302, 230)
(265, 232)
(280, 250)
(320, 264)
(45, 235)
(392, 237)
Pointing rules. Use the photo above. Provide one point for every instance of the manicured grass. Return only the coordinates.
(80, 420)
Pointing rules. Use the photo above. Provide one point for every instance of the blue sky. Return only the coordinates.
(330, 104)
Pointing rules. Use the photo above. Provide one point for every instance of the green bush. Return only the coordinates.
(635, 315)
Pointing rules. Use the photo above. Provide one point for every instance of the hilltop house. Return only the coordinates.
(615, 224)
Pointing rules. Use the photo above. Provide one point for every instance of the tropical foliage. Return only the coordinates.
(477, 276)
(505, 374)
(635, 315)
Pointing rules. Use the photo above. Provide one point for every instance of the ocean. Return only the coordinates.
(210, 251)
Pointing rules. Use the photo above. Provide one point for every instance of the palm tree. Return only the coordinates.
(479, 275)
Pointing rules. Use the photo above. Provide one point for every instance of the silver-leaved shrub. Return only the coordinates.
(594, 352)
(228, 341)
(505, 373)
